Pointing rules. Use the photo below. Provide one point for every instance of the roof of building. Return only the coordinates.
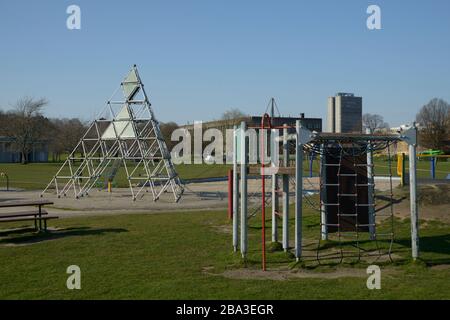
(248, 119)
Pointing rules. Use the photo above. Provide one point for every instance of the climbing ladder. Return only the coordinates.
(351, 194)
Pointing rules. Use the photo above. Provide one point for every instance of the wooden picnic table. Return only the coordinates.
(36, 215)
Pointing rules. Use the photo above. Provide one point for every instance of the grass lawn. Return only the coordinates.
(183, 256)
(36, 176)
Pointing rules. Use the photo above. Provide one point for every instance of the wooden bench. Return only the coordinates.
(39, 215)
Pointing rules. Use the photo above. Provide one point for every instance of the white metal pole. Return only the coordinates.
(323, 194)
(285, 179)
(275, 208)
(275, 199)
(235, 191)
(370, 188)
(244, 236)
(413, 198)
(298, 191)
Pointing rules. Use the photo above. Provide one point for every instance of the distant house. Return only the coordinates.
(9, 155)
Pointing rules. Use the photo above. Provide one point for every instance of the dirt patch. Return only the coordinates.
(207, 269)
(434, 203)
(428, 194)
(434, 194)
(286, 274)
(440, 267)
(224, 229)
(426, 212)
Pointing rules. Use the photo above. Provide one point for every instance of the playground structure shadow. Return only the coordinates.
(439, 244)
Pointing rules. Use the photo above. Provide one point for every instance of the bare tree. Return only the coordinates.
(232, 114)
(27, 125)
(3, 122)
(434, 122)
(166, 131)
(66, 135)
(374, 122)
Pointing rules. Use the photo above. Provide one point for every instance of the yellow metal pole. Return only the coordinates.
(399, 164)
(401, 168)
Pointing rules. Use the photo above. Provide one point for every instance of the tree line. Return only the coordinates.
(26, 126)
(433, 120)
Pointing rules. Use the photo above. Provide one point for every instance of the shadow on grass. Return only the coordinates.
(36, 237)
(432, 244)
(21, 230)
(388, 199)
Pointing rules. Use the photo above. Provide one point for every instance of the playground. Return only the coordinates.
(167, 250)
(34, 176)
(180, 255)
(304, 224)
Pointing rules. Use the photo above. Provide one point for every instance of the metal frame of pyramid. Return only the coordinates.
(126, 134)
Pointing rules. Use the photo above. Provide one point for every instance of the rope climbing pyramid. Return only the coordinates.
(126, 132)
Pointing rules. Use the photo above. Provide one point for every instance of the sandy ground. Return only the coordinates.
(197, 196)
(439, 212)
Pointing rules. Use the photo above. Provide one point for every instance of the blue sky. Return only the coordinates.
(198, 58)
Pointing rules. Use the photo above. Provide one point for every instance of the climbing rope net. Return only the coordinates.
(354, 222)
(356, 217)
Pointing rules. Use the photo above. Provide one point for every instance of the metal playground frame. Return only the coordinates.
(350, 155)
(126, 133)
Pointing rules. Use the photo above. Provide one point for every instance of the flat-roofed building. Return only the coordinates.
(344, 113)
(9, 154)
(313, 124)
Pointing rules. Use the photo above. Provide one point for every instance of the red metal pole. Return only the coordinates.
(230, 194)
